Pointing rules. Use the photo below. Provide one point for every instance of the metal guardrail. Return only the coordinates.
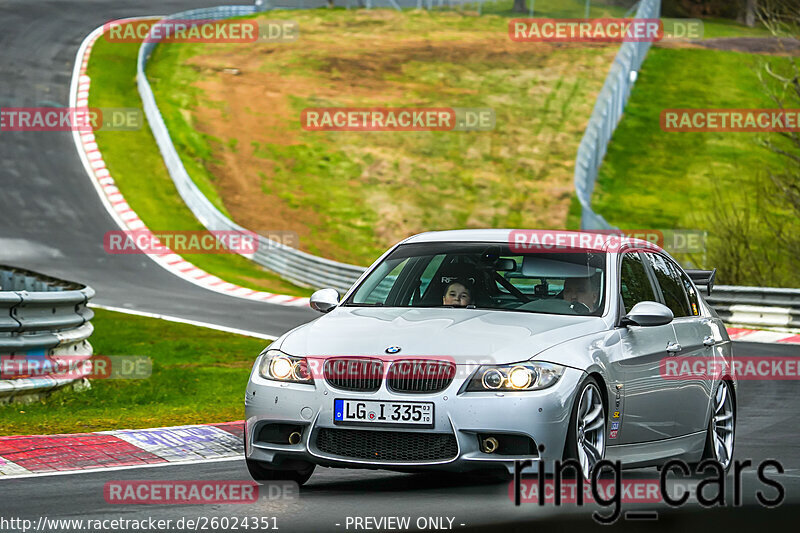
(41, 316)
(297, 266)
(607, 113)
(757, 307)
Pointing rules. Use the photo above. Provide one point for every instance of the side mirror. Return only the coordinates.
(648, 314)
(324, 300)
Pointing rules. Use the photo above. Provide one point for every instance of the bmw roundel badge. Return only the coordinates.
(392, 349)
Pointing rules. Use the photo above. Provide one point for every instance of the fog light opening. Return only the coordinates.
(294, 437)
(489, 445)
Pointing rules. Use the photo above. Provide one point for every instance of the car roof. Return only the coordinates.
(600, 240)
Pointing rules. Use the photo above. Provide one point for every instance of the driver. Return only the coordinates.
(457, 294)
(581, 290)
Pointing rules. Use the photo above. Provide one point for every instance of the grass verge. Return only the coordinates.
(349, 195)
(654, 179)
(134, 161)
(199, 376)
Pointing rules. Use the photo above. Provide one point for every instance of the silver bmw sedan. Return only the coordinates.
(473, 349)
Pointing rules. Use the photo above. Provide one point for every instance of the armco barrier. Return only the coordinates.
(297, 266)
(607, 113)
(41, 316)
(757, 307)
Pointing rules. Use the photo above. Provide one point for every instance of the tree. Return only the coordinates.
(781, 81)
(780, 78)
(747, 15)
(756, 237)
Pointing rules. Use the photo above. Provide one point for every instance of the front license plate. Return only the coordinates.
(372, 412)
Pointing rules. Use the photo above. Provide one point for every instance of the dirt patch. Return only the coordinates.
(750, 45)
(250, 106)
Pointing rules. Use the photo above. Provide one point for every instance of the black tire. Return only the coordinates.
(571, 444)
(262, 473)
(709, 451)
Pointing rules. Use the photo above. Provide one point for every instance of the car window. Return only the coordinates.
(671, 285)
(377, 291)
(691, 292)
(492, 276)
(635, 286)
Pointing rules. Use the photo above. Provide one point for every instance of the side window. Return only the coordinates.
(691, 293)
(634, 284)
(671, 285)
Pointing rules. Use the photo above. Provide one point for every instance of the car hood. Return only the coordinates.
(465, 335)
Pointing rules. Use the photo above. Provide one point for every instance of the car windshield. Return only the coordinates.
(486, 276)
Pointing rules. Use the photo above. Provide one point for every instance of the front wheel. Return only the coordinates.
(586, 436)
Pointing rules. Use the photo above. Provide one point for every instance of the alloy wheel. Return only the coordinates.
(722, 425)
(591, 429)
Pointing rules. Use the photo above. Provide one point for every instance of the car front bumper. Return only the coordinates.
(542, 415)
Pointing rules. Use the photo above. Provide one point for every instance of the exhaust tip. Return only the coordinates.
(294, 437)
(489, 445)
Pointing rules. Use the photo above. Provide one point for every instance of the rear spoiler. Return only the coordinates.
(703, 278)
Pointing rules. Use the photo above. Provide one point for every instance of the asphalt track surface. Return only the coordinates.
(51, 220)
(766, 429)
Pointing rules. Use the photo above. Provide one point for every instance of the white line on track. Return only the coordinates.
(179, 320)
(127, 467)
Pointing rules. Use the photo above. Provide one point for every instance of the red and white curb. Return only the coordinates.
(755, 335)
(22, 456)
(121, 212)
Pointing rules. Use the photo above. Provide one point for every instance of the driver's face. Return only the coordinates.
(458, 295)
(579, 290)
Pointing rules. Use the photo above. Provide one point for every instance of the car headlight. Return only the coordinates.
(278, 366)
(516, 377)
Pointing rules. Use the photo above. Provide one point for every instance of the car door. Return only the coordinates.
(644, 414)
(695, 336)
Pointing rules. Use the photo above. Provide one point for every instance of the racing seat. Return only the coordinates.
(471, 279)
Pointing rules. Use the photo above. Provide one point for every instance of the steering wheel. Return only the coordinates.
(580, 308)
